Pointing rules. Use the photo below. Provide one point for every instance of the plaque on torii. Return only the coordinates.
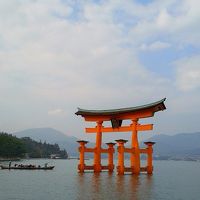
(116, 117)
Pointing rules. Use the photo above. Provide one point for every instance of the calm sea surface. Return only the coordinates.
(172, 180)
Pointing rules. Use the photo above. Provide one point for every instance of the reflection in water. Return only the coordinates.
(139, 187)
(81, 185)
(120, 185)
(133, 186)
(107, 186)
(96, 183)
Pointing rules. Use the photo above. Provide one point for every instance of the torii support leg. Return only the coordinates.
(149, 157)
(81, 166)
(110, 156)
(135, 157)
(97, 153)
(120, 167)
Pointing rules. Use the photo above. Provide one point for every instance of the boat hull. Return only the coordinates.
(28, 168)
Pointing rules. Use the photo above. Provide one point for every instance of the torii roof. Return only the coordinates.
(155, 106)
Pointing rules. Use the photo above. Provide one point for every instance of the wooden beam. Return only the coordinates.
(90, 150)
(88, 167)
(129, 150)
(145, 127)
(109, 129)
(143, 169)
(103, 167)
(104, 150)
(91, 130)
(120, 129)
(143, 150)
(97, 118)
(128, 169)
(122, 116)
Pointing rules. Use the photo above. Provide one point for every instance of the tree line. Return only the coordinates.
(12, 147)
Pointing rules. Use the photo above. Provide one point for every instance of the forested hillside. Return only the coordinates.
(11, 147)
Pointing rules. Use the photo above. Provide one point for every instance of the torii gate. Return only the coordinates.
(116, 116)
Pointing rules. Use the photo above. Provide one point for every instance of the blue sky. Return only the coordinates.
(58, 55)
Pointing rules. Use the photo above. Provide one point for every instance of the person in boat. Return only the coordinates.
(9, 164)
(45, 165)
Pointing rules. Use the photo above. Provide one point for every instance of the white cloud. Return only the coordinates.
(188, 73)
(174, 21)
(155, 46)
(163, 19)
(56, 111)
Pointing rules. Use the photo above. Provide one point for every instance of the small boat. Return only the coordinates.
(27, 167)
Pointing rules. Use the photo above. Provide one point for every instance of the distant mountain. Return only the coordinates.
(51, 136)
(184, 144)
(179, 145)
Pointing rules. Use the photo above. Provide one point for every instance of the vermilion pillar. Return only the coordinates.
(81, 165)
(135, 156)
(120, 167)
(110, 156)
(97, 153)
(149, 156)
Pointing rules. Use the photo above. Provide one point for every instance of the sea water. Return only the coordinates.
(172, 180)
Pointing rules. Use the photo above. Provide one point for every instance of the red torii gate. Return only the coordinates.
(116, 116)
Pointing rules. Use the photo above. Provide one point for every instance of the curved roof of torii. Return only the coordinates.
(156, 106)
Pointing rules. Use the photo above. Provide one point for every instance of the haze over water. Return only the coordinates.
(177, 180)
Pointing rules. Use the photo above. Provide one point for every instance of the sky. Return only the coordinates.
(57, 55)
